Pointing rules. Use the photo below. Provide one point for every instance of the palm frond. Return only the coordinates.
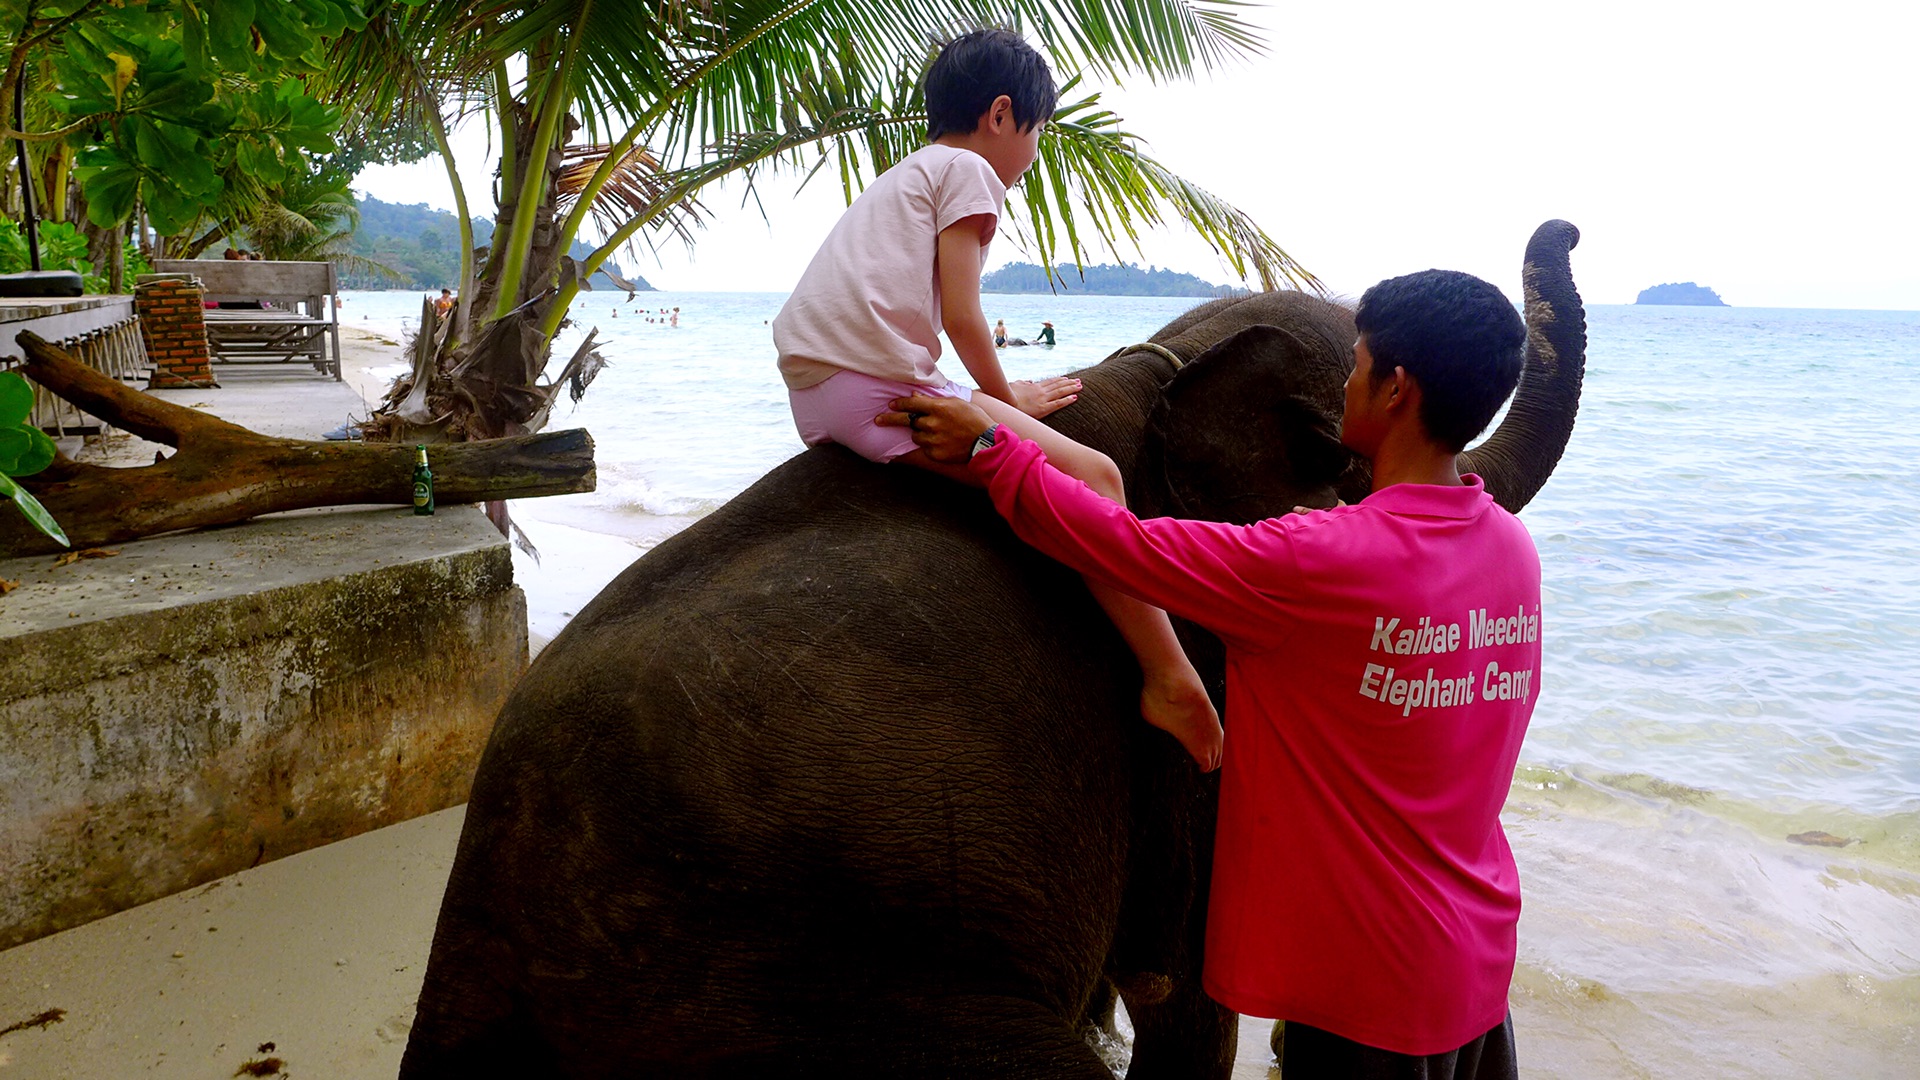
(276, 232)
(679, 94)
(637, 186)
(411, 59)
(683, 76)
(357, 264)
(1092, 171)
(739, 58)
(1094, 182)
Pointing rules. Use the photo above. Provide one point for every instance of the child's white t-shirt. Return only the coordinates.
(870, 299)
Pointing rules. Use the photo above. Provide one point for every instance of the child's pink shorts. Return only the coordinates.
(842, 409)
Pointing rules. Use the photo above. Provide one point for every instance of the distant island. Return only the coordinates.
(1102, 280)
(422, 245)
(1685, 292)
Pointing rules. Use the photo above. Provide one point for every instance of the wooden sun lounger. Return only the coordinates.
(297, 321)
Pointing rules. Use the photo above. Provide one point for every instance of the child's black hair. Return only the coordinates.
(976, 68)
(1457, 336)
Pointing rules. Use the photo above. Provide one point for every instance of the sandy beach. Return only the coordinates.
(309, 966)
(322, 954)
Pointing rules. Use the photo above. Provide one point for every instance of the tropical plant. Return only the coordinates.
(62, 247)
(312, 218)
(24, 450)
(672, 98)
(183, 107)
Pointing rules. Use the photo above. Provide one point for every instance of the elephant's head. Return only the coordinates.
(1232, 412)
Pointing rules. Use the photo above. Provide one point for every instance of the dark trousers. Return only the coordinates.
(1309, 1053)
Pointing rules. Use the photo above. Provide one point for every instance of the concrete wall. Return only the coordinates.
(202, 703)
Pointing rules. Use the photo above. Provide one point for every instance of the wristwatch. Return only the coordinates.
(985, 441)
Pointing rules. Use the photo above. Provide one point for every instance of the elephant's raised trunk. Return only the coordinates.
(1519, 456)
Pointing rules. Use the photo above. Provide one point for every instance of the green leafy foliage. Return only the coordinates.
(62, 247)
(312, 218)
(171, 103)
(35, 513)
(24, 450)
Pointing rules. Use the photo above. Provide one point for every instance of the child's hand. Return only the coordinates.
(1037, 399)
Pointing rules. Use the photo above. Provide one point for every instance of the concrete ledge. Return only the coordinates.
(203, 703)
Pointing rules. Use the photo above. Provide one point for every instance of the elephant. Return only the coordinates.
(844, 780)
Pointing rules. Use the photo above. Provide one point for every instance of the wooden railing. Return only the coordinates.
(100, 331)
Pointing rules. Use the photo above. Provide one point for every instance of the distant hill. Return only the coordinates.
(1102, 280)
(423, 244)
(1686, 292)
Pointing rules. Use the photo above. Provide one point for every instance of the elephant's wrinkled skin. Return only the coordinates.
(844, 780)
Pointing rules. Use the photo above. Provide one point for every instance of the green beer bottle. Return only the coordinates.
(422, 482)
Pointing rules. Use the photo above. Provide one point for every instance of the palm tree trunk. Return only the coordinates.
(517, 278)
(488, 371)
(59, 162)
(102, 243)
(464, 311)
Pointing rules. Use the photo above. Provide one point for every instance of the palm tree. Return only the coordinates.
(312, 218)
(672, 97)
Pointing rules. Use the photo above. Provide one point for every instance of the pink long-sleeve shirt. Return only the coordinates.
(1383, 660)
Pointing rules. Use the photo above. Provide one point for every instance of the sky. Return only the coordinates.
(1768, 151)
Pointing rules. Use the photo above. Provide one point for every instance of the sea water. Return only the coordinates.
(1732, 653)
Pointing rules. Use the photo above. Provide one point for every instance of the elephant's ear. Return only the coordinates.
(1248, 430)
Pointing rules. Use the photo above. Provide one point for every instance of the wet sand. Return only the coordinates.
(1652, 943)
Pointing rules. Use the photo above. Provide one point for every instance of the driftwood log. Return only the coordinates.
(224, 473)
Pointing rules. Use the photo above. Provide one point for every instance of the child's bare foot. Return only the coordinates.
(1177, 703)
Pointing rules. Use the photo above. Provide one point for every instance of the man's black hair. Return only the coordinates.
(1457, 336)
(976, 68)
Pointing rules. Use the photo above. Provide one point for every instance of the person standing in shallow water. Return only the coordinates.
(1383, 661)
(1000, 333)
(862, 326)
(1045, 336)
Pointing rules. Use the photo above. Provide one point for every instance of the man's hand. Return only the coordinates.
(942, 426)
(1038, 399)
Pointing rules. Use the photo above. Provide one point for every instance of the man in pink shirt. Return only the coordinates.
(1383, 660)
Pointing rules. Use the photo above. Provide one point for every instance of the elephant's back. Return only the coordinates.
(838, 625)
(829, 572)
(847, 715)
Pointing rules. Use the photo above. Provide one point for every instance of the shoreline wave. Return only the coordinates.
(1890, 840)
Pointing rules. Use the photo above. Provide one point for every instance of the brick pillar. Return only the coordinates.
(174, 323)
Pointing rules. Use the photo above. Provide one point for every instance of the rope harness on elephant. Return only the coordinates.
(1147, 346)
